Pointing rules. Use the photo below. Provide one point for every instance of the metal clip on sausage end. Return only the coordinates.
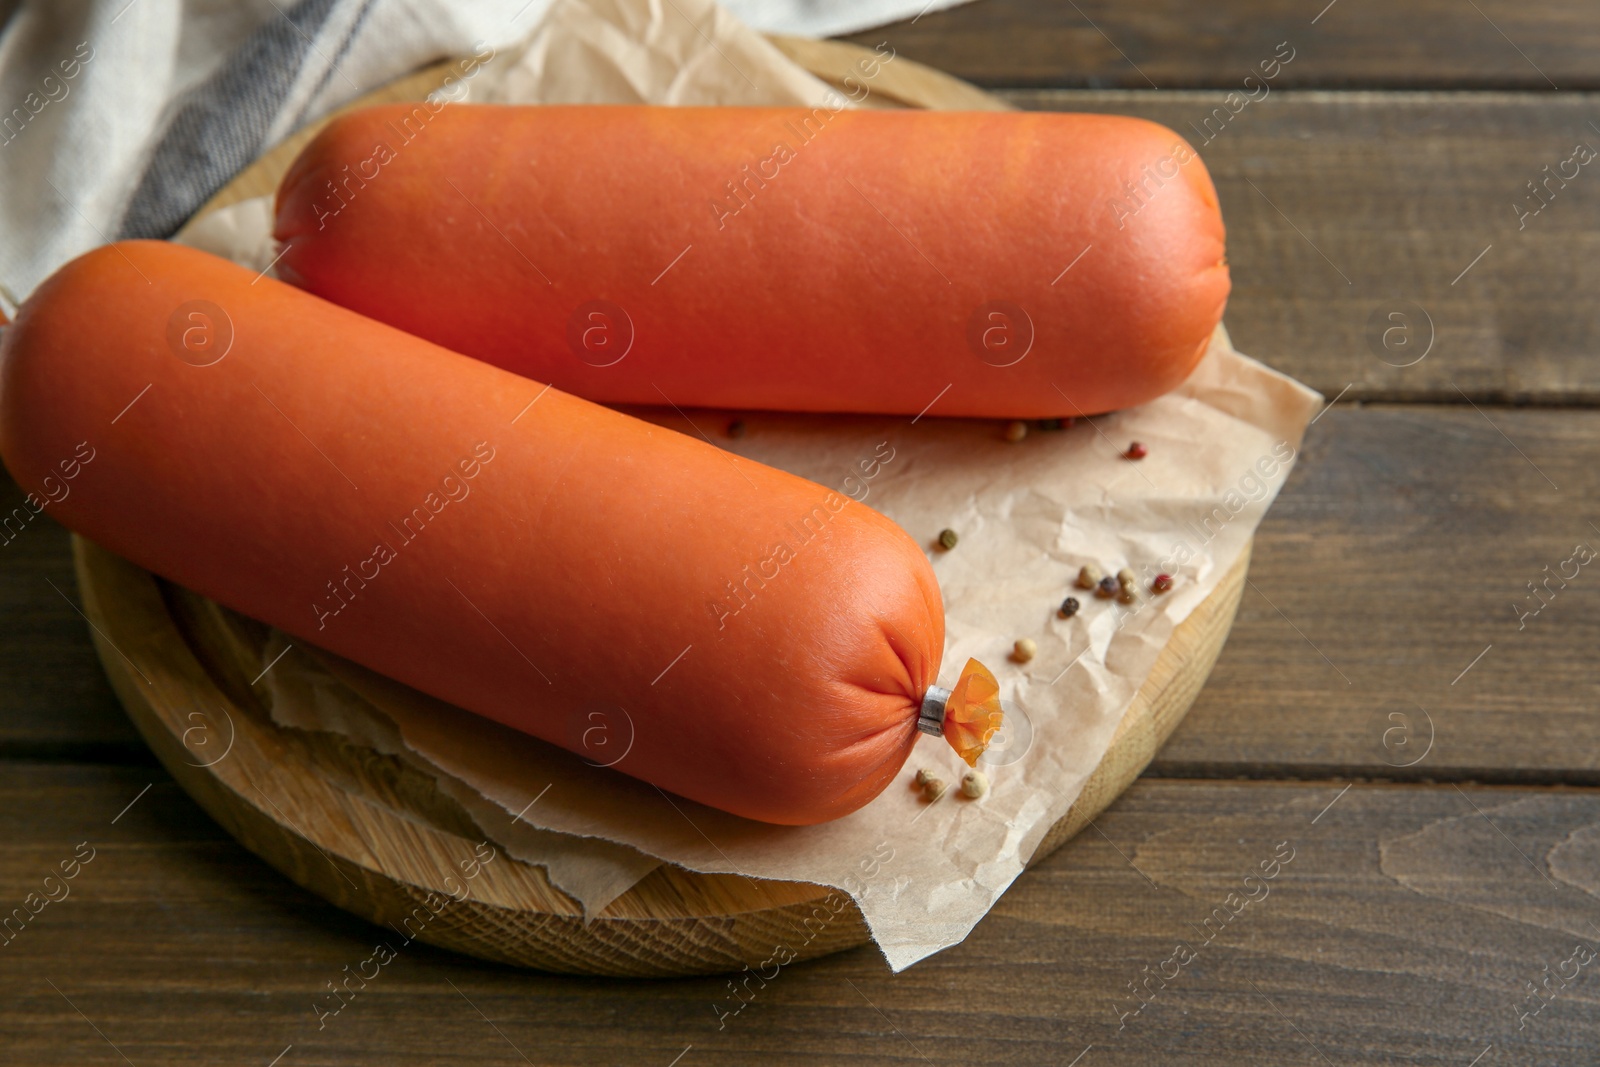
(931, 719)
(967, 716)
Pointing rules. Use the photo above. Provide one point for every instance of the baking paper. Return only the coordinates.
(1029, 514)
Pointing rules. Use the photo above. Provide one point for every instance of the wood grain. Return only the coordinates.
(1407, 927)
(55, 702)
(182, 948)
(1343, 207)
(1391, 562)
(1174, 44)
(1403, 930)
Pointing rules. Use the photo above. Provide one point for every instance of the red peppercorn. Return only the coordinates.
(1162, 583)
(1136, 451)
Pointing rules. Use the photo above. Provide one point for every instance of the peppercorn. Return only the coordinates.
(1016, 430)
(736, 428)
(1024, 650)
(974, 784)
(1127, 594)
(1107, 588)
(923, 774)
(933, 788)
(948, 539)
(1069, 607)
(1125, 578)
(1162, 583)
(1088, 577)
(1136, 451)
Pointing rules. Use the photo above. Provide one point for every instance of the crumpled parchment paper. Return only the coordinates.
(1029, 514)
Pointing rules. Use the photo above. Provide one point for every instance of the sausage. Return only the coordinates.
(1012, 265)
(525, 554)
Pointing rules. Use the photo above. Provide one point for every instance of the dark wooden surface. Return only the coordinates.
(1344, 205)
(1401, 930)
(1378, 647)
(1179, 44)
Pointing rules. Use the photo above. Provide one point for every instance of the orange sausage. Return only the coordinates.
(525, 554)
(1013, 265)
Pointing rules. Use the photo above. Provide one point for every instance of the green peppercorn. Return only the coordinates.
(948, 539)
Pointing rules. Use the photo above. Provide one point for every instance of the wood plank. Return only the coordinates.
(1397, 549)
(1173, 44)
(1393, 559)
(1344, 207)
(54, 698)
(1402, 929)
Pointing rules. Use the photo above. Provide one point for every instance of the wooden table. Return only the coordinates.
(1387, 705)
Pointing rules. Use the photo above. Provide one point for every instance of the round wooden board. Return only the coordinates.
(374, 836)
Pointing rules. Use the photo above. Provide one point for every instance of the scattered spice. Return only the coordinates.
(1162, 583)
(1069, 607)
(974, 784)
(923, 774)
(933, 788)
(736, 428)
(1136, 451)
(1127, 594)
(1125, 578)
(1088, 577)
(1049, 425)
(1024, 650)
(948, 539)
(1016, 430)
(1107, 588)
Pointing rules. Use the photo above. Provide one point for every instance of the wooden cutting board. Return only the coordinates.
(374, 836)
